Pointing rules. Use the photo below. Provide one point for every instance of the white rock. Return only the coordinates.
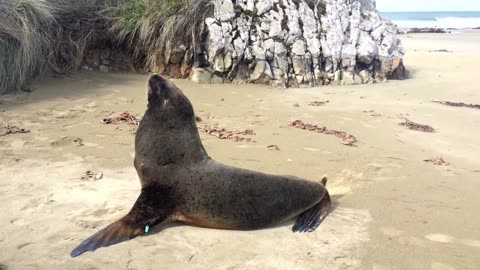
(298, 48)
(310, 28)
(325, 46)
(228, 60)
(226, 10)
(201, 76)
(263, 6)
(259, 52)
(219, 64)
(269, 44)
(276, 30)
(279, 48)
(250, 5)
(216, 41)
(367, 49)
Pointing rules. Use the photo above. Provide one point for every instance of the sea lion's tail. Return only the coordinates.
(324, 181)
(145, 213)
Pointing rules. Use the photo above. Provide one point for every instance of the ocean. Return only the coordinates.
(444, 19)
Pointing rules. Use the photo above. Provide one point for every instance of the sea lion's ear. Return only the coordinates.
(158, 86)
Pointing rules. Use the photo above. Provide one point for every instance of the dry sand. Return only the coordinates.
(393, 210)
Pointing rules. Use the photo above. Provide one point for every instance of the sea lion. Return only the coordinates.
(180, 182)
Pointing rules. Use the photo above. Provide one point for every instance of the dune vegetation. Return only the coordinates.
(53, 36)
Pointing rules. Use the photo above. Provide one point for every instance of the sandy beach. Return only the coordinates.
(392, 210)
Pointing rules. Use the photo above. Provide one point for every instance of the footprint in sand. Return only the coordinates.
(21, 246)
(85, 224)
(66, 114)
(91, 105)
(381, 172)
(66, 141)
(73, 237)
(18, 222)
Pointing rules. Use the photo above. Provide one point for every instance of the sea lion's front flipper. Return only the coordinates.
(114, 233)
(146, 213)
(309, 220)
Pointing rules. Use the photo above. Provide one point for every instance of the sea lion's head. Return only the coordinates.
(168, 133)
(167, 101)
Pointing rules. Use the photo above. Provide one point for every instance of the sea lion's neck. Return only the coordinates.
(162, 142)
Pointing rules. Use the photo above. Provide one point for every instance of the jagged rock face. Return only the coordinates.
(292, 43)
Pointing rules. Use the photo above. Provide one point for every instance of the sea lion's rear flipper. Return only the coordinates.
(147, 212)
(309, 220)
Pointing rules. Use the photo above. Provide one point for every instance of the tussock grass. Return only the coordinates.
(75, 30)
(24, 41)
(37, 36)
(151, 27)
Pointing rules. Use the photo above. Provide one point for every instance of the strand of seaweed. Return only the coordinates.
(318, 103)
(457, 104)
(224, 134)
(415, 126)
(220, 133)
(6, 129)
(346, 139)
(125, 117)
(438, 161)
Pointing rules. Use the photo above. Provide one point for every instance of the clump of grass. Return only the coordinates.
(75, 31)
(149, 27)
(24, 41)
(37, 36)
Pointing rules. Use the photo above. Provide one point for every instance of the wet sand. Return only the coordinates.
(392, 209)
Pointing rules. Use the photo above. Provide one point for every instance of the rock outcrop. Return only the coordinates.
(292, 43)
(284, 43)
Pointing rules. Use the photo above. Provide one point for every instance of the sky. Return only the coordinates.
(428, 5)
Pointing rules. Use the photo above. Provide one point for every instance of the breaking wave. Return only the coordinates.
(446, 22)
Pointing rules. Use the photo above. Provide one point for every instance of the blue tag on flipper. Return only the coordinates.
(147, 228)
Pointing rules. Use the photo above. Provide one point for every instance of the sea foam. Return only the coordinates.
(446, 22)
